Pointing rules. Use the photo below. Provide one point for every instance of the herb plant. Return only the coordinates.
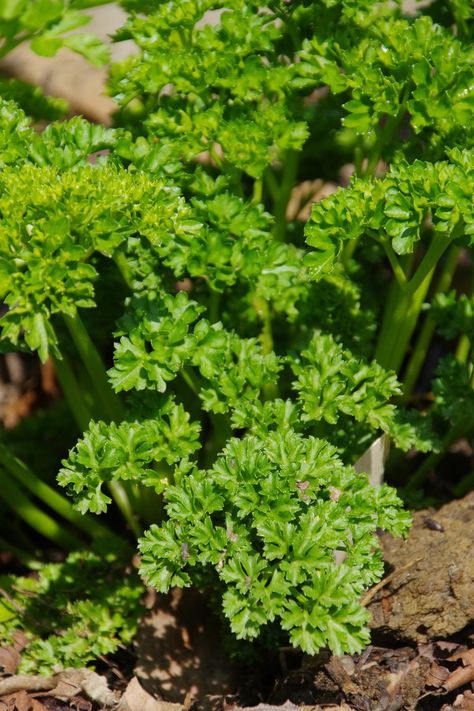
(245, 360)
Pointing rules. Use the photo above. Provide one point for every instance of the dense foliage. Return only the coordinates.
(224, 363)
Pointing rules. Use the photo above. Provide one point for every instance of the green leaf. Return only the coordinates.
(41, 12)
(46, 45)
(90, 47)
(10, 9)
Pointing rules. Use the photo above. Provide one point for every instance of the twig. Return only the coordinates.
(373, 591)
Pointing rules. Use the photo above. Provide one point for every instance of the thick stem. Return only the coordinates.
(290, 168)
(399, 324)
(348, 250)
(261, 306)
(39, 521)
(74, 397)
(49, 496)
(396, 333)
(72, 392)
(257, 191)
(463, 348)
(422, 345)
(214, 306)
(121, 497)
(111, 405)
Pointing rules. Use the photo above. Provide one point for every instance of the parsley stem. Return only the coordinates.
(400, 322)
(29, 512)
(400, 275)
(420, 350)
(257, 191)
(262, 308)
(214, 306)
(112, 406)
(49, 496)
(290, 168)
(72, 392)
(463, 348)
(190, 380)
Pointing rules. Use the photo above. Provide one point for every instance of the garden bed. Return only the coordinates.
(217, 317)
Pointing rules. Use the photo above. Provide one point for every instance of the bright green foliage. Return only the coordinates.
(72, 612)
(393, 210)
(394, 69)
(223, 373)
(332, 382)
(164, 338)
(62, 145)
(46, 25)
(250, 125)
(265, 523)
(127, 452)
(51, 223)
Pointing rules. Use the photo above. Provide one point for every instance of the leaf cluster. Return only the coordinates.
(72, 612)
(267, 524)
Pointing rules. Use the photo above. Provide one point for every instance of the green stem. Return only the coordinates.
(190, 380)
(72, 392)
(271, 184)
(121, 497)
(463, 348)
(261, 306)
(464, 486)
(49, 496)
(400, 275)
(439, 244)
(124, 268)
(396, 333)
(384, 135)
(257, 191)
(348, 250)
(214, 306)
(111, 404)
(43, 524)
(420, 350)
(398, 325)
(290, 168)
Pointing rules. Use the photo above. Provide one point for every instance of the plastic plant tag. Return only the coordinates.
(373, 460)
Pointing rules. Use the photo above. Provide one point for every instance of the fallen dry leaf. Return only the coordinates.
(135, 698)
(64, 686)
(21, 701)
(437, 675)
(462, 675)
(9, 660)
(22, 682)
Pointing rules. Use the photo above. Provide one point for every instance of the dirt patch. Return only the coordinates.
(433, 597)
